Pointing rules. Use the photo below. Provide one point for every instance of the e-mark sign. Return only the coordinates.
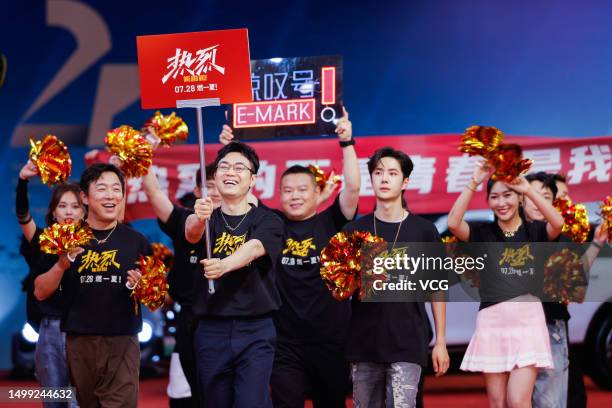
(291, 97)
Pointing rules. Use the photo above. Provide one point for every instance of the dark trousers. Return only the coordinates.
(186, 324)
(234, 362)
(318, 368)
(104, 370)
(419, 398)
(576, 391)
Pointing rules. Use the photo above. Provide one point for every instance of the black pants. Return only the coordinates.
(186, 324)
(576, 391)
(235, 362)
(317, 368)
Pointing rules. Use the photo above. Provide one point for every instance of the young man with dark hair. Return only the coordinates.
(188, 200)
(561, 183)
(551, 385)
(544, 184)
(388, 343)
(562, 386)
(235, 338)
(181, 279)
(100, 319)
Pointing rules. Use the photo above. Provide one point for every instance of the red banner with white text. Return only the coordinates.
(441, 172)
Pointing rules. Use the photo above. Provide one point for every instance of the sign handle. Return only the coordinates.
(198, 104)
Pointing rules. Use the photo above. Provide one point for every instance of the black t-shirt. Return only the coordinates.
(308, 312)
(501, 282)
(386, 332)
(98, 302)
(38, 263)
(181, 278)
(250, 291)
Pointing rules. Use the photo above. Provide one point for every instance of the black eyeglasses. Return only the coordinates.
(239, 168)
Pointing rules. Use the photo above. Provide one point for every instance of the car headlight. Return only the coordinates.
(29, 333)
(146, 333)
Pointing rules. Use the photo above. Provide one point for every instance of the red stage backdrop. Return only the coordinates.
(440, 173)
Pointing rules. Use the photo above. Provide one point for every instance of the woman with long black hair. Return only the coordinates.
(65, 206)
(510, 343)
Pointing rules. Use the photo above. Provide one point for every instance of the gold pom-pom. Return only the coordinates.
(152, 287)
(342, 261)
(576, 219)
(508, 162)
(507, 159)
(322, 178)
(564, 278)
(481, 140)
(167, 128)
(451, 239)
(132, 148)
(163, 253)
(605, 212)
(64, 238)
(50, 155)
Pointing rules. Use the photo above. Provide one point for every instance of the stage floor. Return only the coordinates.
(455, 390)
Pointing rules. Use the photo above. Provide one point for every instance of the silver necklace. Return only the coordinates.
(227, 224)
(102, 241)
(398, 229)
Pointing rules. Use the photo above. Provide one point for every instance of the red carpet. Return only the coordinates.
(457, 391)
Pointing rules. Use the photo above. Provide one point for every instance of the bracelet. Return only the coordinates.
(24, 222)
(597, 245)
(347, 143)
(470, 188)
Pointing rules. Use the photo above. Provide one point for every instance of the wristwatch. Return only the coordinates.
(346, 143)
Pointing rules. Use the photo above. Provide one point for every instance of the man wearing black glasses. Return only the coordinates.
(235, 339)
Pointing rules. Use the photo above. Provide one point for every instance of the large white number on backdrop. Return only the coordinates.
(117, 85)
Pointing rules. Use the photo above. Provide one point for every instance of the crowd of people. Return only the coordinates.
(271, 334)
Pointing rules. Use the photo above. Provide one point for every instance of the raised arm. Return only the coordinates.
(554, 220)
(226, 135)
(456, 224)
(22, 205)
(599, 240)
(162, 206)
(349, 196)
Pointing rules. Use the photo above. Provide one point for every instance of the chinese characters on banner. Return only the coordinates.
(291, 97)
(439, 175)
(200, 65)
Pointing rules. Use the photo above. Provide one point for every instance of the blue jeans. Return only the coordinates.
(551, 385)
(234, 362)
(389, 385)
(50, 359)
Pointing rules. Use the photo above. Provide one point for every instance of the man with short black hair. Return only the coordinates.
(101, 320)
(388, 343)
(235, 338)
(312, 326)
(181, 282)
